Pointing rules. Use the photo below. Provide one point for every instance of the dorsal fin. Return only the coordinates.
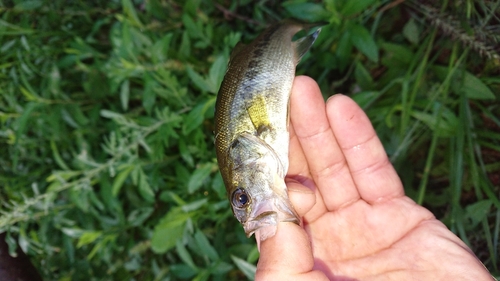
(302, 45)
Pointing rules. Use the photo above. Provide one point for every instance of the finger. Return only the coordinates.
(287, 256)
(324, 156)
(303, 198)
(298, 176)
(371, 169)
(297, 160)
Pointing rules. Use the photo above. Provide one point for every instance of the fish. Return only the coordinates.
(251, 126)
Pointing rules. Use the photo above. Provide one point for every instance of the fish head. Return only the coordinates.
(258, 193)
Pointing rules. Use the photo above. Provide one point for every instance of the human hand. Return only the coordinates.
(357, 222)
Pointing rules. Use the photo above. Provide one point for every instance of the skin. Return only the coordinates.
(357, 222)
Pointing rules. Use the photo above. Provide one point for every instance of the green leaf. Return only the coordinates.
(185, 49)
(21, 122)
(478, 211)
(57, 156)
(253, 256)
(102, 244)
(73, 232)
(353, 7)
(194, 30)
(362, 76)
(182, 271)
(12, 244)
(178, 200)
(88, 237)
(21, 125)
(365, 98)
(54, 77)
(218, 186)
(144, 188)
(77, 114)
(474, 88)
(184, 255)
(120, 179)
(6, 46)
(221, 267)
(363, 41)
(80, 197)
(112, 115)
(396, 55)
(216, 73)
(310, 12)
(199, 176)
(191, 7)
(141, 41)
(28, 5)
(247, 268)
(195, 205)
(159, 51)
(129, 11)
(444, 125)
(62, 175)
(149, 94)
(196, 116)
(66, 116)
(135, 175)
(105, 193)
(138, 216)
(168, 231)
(344, 49)
(125, 94)
(199, 81)
(185, 153)
(182, 175)
(410, 31)
(204, 246)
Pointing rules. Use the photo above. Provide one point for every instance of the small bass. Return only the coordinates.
(251, 126)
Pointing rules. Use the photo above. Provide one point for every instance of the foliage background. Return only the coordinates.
(107, 164)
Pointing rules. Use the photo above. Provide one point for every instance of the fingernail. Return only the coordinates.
(297, 186)
(291, 180)
(333, 96)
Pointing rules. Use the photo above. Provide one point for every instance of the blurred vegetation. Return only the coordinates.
(107, 164)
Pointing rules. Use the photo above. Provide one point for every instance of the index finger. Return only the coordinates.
(325, 160)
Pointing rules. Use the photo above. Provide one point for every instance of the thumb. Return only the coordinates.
(287, 256)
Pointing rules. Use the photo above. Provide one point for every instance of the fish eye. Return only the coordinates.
(240, 198)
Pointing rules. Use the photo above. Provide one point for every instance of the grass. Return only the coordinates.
(107, 162)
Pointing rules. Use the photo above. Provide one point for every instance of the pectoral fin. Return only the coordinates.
(257, 110)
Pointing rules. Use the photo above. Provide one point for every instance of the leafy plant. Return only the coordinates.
(107, 162)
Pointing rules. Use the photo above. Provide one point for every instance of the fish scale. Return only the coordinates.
(251, 125)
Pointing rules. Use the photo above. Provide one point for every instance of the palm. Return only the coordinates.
(358, 223)
(380, 242)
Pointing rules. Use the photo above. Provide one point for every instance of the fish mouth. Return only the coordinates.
(265, 219)
(268, 210)
(267, 216)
